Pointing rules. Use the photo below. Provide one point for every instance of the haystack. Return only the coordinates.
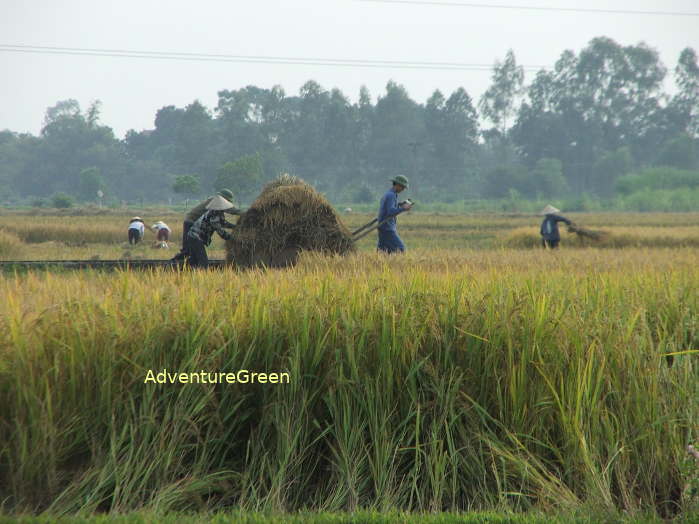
(288, 217)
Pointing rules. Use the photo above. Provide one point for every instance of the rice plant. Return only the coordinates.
(434, 382)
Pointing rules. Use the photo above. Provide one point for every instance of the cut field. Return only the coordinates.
(104, 236)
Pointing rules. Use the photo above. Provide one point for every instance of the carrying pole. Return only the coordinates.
(376, 226)
(364, 227)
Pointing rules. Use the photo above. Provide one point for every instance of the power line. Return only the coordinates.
(533, 8)
(208, 57)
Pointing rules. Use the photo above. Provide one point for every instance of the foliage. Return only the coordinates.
(608, 168)
(679, 152)
(186, 185)
(242, 176)
(90, 183)
(683, 199)
(548, 177)
(657, 178)
(500, 180)
(62, 201)
(498, 102)
(601, 112)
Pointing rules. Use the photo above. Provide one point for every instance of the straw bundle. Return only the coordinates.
(289, 216)
(586, 233)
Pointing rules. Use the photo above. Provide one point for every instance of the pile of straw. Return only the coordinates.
(288, 217)
(586, 233)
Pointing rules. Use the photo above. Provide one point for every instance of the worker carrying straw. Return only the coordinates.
(389, 208)
(550, 236)
(199, 234)
(196, 213)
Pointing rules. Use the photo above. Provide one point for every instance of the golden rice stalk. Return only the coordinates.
(288, 217)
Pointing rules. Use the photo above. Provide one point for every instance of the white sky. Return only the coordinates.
(133, 89)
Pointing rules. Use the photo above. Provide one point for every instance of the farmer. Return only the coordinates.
(200, 233)
(136, 230)
(197, 211)
(550, 237)
(162, 234)
(389, 208)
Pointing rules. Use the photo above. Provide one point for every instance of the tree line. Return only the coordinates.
(598, 116)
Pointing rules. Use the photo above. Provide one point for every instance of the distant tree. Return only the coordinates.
(680, 152)
(398, 132)
(62, 201)
(498, 103)
(547, 178)
(92, 115)
(501, 179)
(451, 127)
(90, 182)
(608, 168)
(63, 110)
(69, 141)
(363, 195)
(187, 185)
(686, 102)
(241, 176)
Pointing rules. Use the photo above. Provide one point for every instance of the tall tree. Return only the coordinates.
(451, 127)
(686, 102)
(499, 103)
(398, 133)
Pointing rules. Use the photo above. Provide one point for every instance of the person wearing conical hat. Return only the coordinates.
(136, 230)
(197, 211)
(162, 234)
(199, 235)
(389, 208)
(550, 236)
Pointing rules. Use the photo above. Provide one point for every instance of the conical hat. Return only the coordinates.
(549, 210)
(218, 203)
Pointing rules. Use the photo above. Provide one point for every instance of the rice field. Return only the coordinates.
(104, 235)
(468, 380)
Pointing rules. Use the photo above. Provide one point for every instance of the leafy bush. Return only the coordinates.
(657, 178)
(659, 200)
(39, 202)
(62, 201)
(679, 152)
(547, 178)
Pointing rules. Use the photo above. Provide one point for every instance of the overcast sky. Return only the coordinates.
(133, 89)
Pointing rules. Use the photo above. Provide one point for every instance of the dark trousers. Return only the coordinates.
(195, 253)
(551, 244)
(185, 229)
(390, 242)
(134, 236)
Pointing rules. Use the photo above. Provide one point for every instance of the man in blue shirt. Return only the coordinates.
(389, 208)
